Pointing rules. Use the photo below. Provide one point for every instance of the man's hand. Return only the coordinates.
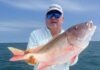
(31, 59)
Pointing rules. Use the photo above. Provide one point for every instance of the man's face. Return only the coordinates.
(54, 19)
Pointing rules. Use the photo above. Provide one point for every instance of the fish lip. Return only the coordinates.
(90, 21)
(90, 25)
(94, 27)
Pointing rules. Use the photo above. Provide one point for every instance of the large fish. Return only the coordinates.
(62, 49)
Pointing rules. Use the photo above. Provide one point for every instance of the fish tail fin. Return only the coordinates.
(20, 55)
(17, 58)
(17, 54)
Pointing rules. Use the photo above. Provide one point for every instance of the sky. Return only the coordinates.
(18, 18)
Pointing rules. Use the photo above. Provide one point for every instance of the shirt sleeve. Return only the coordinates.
(32, 41)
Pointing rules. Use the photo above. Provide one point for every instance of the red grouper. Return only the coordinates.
(62, 49)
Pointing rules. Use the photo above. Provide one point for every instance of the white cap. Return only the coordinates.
(55, 7)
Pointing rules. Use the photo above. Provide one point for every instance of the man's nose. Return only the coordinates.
(53, 17)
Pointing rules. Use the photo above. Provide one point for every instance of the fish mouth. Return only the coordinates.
(90, 25)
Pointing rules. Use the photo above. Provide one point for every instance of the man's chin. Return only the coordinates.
(54, 27)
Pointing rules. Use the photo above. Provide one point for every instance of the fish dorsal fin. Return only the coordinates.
(34, 50)
(16, 51)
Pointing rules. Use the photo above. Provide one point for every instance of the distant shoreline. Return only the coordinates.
(27, 42)
(15, 42)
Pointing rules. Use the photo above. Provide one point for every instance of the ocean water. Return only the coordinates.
(88, 59)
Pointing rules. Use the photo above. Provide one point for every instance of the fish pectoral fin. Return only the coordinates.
(74, 60)
(42, 66)
(16, 51)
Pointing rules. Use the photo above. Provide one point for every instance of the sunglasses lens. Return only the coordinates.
(55, 14)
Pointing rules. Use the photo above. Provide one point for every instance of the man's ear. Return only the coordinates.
(62, 19)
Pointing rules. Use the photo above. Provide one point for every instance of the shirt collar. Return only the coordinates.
(62, 30)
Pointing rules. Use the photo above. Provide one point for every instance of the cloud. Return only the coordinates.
(43, 5)
(19, 25)
(7, 29)
(26, 4)
(77, 6)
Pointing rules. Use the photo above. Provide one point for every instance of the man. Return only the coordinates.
(54, 20)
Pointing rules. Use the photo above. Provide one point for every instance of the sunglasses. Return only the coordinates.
(55, 14)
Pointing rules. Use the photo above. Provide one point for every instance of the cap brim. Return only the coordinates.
(55, 9)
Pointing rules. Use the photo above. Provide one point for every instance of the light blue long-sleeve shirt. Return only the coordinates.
(43, 36)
